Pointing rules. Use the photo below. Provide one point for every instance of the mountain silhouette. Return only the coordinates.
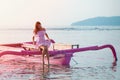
(99, 21)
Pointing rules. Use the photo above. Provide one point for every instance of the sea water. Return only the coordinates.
(89, 65)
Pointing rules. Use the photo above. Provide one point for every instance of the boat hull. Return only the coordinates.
(16, 49)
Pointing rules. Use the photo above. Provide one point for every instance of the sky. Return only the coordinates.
(24, 13)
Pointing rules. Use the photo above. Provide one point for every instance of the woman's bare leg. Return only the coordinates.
(47, 54)
(43, 53)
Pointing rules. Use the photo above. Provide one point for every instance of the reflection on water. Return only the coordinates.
(22, 70)
(113, 67)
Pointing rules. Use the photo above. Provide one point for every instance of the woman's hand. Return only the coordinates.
(51, 40)
(33, 42)
(48, 38)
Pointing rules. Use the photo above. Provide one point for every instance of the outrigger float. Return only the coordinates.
(66, 50)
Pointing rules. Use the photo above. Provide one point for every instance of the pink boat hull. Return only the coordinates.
(16, 49)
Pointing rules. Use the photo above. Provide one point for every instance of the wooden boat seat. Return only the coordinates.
(55, 46)
(62, 46)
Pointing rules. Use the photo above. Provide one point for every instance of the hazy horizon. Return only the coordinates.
(24, 13)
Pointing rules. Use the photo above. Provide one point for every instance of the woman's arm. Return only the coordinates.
(33, 39)
(47, 36)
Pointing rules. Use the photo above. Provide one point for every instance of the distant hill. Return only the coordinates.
(99, 21)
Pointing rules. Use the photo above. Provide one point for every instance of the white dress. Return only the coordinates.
(40, 39)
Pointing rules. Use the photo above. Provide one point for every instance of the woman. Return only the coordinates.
(41, 43)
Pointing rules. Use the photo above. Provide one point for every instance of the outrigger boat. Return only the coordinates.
(66, 50)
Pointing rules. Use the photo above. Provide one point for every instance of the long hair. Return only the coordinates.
(37, 28)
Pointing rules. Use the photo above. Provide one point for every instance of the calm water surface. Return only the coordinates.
(90, 65)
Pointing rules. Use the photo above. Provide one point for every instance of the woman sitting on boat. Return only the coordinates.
(41, 43)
